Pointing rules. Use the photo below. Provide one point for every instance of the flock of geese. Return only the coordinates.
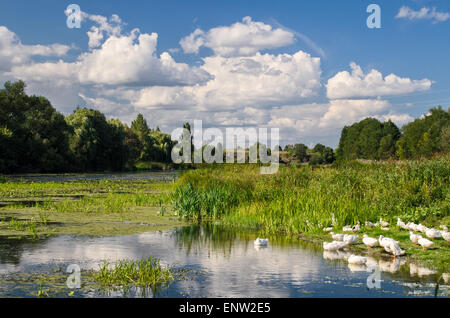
(340, 241)
(335, 249)
(391, 246)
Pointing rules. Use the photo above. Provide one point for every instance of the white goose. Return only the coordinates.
(261, 242)
(385, 240)
(333, 246)
(347, 228)
(425, 243)
(357, 260)
(369, 241)
(433, 234)
(350, 239)
(446, 236)
(401, 224)
(337, 237)
(421, 228)
(412, 226)
(414, 237)
(369, 224)
(394, 248)
(383, 223)
(357, 227)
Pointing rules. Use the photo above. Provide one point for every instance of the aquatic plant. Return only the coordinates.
(145, 273)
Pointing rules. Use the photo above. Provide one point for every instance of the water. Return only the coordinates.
(226, 264)
(147, 175)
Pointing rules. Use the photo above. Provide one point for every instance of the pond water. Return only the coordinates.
(145, 175)
(226, 264)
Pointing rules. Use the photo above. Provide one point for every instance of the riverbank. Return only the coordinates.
(301, 201)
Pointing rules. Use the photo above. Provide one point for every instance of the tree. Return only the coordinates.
(368, 139)
(300, 152)
(33, 135)
(423, 136)
(92, 140)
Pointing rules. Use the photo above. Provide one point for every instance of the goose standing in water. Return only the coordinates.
(333, 246)
(357, 260)
(261, 242)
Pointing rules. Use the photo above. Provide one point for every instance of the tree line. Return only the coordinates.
(373, 140)
(34, 137)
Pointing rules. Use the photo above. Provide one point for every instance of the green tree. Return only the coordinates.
(423, 136)
(33, 135)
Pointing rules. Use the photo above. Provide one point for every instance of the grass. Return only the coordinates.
(146, 273)
(302, 200)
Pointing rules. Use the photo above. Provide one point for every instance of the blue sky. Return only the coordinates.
(310, 103)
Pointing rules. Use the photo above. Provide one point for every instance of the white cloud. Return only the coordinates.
(262, 80)
(121, 60)
(398, 119)
(347, 111)
(357, 84)
(239, 39)
(424, 13)
(13, 52)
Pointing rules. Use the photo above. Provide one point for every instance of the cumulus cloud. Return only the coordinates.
(120, 60)
(239, 39)
(13, 52)
(261, 80)
(347, 111)
(357, 84)
(424, 13)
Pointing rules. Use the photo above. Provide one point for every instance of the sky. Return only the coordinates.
(306, 67)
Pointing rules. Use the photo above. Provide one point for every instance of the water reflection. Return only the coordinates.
(228, 263)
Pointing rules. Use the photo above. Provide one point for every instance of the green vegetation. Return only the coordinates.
(426, 136)
(146, 273)
(320, 154)
(303, 200)
(93, 207)
(34, 137)
(370, 139)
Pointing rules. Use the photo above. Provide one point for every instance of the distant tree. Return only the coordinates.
(300, 151)
(425, 136)
(368, 139)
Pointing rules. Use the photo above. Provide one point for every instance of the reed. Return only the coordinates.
(304, 199)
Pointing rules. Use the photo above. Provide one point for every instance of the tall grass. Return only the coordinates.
(297, 200)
